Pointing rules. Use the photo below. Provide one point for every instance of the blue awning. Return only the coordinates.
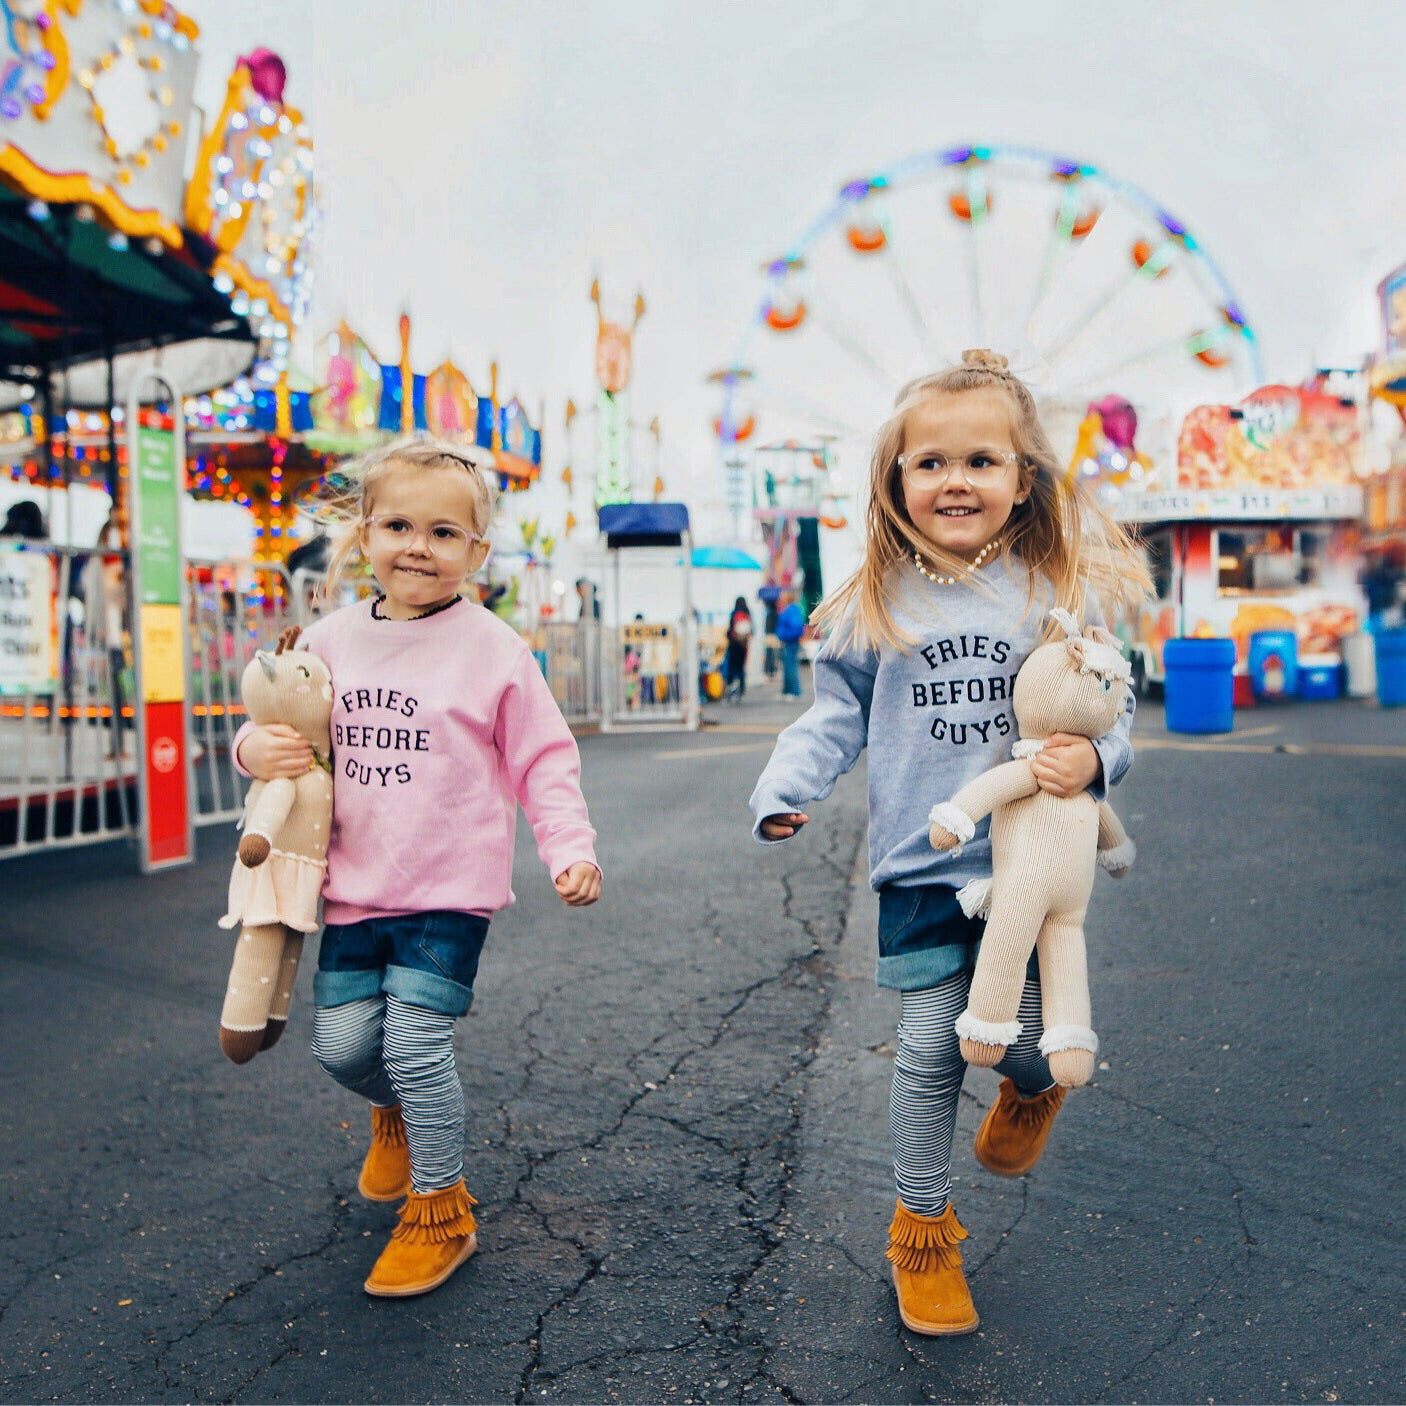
(643, 524)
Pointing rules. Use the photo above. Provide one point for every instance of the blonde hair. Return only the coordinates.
(1058, 532)
(352, 502)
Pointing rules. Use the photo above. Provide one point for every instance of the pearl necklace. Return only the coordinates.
(952, 580)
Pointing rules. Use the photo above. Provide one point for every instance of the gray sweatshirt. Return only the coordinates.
(933, 719)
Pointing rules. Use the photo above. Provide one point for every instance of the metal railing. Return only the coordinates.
(68, 743)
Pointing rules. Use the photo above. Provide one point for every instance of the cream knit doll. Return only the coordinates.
(1043, 850)
(277, 878)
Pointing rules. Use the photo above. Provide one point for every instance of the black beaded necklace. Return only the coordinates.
(376, 613)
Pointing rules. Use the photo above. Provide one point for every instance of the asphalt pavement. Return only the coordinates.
(677, 1121)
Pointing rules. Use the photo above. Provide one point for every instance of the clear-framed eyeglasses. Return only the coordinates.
(982, 468)
(445, 540)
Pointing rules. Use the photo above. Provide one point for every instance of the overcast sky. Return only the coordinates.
(480, 162)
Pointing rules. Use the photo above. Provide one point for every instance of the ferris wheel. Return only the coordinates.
(1086, 283)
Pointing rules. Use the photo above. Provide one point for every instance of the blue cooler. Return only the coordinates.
(1391, 668)
(1200, 688)
(1274, 663)
(1320, 676)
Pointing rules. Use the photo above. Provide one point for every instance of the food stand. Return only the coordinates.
(1259, 535)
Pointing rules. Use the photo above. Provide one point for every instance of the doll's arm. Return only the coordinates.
(265, 820)
(1116, 851)
(954, 822)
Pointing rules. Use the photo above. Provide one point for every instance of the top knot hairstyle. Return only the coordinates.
(983, 359)
(1059, 533)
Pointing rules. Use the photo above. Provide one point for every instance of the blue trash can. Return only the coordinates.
(1200, 685)
(1391, 668)
(1274, 663)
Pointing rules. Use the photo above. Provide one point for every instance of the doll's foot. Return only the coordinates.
(933, 1298)
(436, 1234)
(1012, 1137)
(1072, 1069)
(240, 1046)
(273, 1031)
(1070, 1050)
(982, 1056)
(984, 1042)
(385, 1174)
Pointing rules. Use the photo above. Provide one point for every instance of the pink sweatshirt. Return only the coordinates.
(440, 727)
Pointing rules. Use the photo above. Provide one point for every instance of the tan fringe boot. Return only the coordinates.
(435, 1236)
(1012, 1136)
(933, 1297)
(385, 1174)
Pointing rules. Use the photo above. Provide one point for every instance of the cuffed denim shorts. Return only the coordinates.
(425, 959)
(924, 937)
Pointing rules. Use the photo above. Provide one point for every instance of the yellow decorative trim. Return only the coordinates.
(72, 187)
(199, 212)
(253, 287)
(57, 45)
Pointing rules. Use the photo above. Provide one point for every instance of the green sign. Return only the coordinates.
(158, 489)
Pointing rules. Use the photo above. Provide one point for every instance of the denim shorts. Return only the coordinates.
(924, 937)
(425, 959)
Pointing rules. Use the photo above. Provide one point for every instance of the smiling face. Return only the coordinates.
(413, 577)
(953, 515)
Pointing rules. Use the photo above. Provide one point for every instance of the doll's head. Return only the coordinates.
(1077, 684)
(287, 685)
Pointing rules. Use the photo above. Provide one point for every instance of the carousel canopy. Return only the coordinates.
(72, 292)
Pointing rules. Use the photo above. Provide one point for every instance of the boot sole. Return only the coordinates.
(932, 1330)
(406, 1291)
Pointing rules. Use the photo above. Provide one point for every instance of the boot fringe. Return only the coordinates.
(917, 1242)
(388, 1125)
(436, 1216)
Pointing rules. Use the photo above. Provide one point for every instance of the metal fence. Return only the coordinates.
(68, 741)
(68, 747)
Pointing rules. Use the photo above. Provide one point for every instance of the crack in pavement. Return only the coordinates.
(773, 1159)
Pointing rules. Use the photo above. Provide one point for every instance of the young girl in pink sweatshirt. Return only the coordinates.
(441, 725)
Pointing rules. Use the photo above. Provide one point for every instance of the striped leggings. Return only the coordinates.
(391, 1052)
(927, 1079)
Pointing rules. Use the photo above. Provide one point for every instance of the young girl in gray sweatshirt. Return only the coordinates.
(973, 532)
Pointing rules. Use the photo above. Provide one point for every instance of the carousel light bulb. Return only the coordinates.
(238, 121)
(224, 165)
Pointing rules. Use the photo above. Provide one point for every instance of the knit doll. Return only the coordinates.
(277, 878)
(1043, 851)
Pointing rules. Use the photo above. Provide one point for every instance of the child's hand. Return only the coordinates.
(783, 826)
(1066, 765)
(276, 750)
(579, 885)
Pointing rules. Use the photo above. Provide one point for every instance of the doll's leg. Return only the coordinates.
(419, 1054)
(347, 1042)
(283, 988)
(1069, 1042)
(1023, 1064)
(989, 1025)
(258, 952)
(927, 1079)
